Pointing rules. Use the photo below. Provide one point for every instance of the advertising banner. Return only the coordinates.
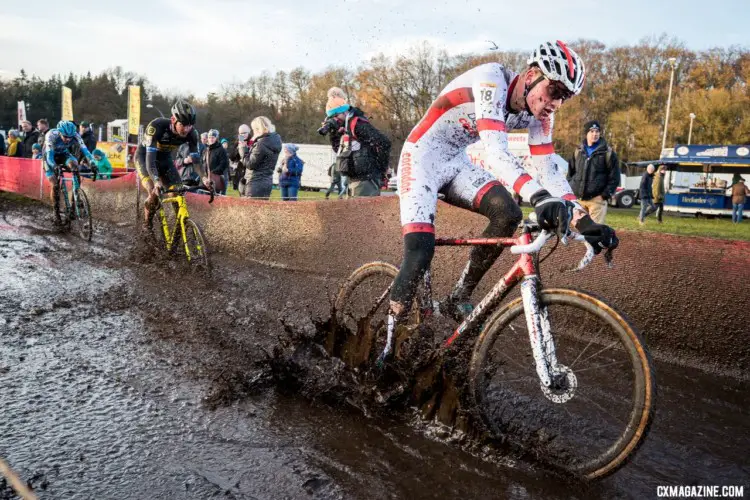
(67, 104)
(134, 109)
(21, 113)
(116, 153)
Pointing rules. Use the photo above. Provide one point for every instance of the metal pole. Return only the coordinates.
(690, 131)
(672, 60)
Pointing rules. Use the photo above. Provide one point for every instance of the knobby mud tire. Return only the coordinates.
(83, 219)
(62, 212)
(199, 261)
(351, 303)
(632, 348)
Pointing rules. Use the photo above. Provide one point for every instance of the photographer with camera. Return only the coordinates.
(362, 150)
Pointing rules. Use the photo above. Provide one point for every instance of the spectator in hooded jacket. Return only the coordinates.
(290, 173)
(30, 137)
(15, 146)
(594, 172)
(215, 163)
(260, 159)
(36, 151)
(102, 164)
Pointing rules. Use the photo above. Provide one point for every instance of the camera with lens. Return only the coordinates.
(329, 126)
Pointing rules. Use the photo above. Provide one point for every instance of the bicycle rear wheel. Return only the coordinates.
(597, 415)
(81, 211)
(194, 248)
(362, 304)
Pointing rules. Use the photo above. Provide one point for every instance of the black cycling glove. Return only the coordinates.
(598, 236)
(551, 213)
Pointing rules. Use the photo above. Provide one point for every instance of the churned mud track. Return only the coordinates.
(124, 378)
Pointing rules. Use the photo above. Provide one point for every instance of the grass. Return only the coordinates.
(302, 196)
(685, 225)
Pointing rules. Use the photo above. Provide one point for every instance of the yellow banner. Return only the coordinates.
(134, 109)
(67, 104)
(116, 152)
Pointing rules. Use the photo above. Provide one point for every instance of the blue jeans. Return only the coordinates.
(344, 185)
(647, 208)
(737, 212)
(289, 193)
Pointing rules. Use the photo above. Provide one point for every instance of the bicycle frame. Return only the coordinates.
(525, 271)
(75, 180)
(182, 214)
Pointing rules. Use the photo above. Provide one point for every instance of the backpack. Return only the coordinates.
(345, 158)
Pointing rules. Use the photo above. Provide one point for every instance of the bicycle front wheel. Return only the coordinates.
(598, 411)
(193, 247)
(82, 215)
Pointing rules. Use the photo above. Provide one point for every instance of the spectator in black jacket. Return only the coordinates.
(215, 163)
(260, 158)
(88, 137)
(356, 137)
(30, 137)
(594, 172)
(646, 194)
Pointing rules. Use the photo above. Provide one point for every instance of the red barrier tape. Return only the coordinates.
(22, 176)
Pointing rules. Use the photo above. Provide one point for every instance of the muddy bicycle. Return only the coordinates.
(73, 210)
(557, 371)
(184, 235)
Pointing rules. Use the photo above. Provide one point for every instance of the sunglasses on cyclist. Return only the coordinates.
(557, 90)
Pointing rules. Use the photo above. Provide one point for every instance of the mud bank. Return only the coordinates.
(680, 292)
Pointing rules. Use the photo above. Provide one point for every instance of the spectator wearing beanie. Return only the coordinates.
(357, 139)
(36, 151)
(290, 173)
(594, 172)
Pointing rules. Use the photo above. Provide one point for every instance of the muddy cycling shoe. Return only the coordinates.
(455, 309)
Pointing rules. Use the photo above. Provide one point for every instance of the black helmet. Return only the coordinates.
(184, 112)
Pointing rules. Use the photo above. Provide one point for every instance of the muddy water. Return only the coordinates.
(122, 379)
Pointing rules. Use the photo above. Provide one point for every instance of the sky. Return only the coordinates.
(196, 46)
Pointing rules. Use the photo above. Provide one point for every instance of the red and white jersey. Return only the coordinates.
(475, 107)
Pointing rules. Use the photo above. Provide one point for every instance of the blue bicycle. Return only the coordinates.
(73, 210)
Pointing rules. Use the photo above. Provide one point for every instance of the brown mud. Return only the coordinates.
(125, 377)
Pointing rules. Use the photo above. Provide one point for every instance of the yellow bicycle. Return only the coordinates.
(183, 235)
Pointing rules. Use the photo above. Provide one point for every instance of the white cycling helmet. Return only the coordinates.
(560, 63)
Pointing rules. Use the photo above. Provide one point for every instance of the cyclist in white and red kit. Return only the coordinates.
(484, 104)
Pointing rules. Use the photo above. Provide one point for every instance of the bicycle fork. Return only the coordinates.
(540, 336)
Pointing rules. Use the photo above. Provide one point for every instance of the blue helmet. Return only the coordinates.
(66, 129)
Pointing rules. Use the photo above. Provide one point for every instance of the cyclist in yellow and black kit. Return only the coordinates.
(154, 155)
